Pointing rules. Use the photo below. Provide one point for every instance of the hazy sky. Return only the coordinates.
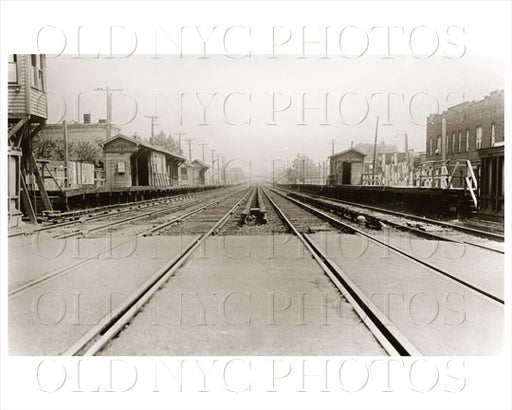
(234, 90)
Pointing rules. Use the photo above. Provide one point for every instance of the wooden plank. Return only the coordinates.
(27, 203)
(17, 127)
(53, 177)
(17, 104)
(40, 183)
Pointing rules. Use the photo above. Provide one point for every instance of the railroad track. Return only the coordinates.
(337, 222)
(351, 210)
(101, 213)
(254, 209)
(391, 339)
(112, 324)
(135, 215)
(56, 273)
(388, 334)
(497, 236)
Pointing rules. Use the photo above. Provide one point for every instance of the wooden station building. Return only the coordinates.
(346, 167)
(130, 162)
(193, 173)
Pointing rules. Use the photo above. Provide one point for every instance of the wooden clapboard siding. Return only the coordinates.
(113, 178)
(17, 101)
(38, 103)
(28, 100)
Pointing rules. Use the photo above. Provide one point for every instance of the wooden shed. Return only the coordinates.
(193, 173)
(346, 167)
(130, 162)
(199, 168)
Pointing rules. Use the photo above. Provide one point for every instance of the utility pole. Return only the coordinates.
(213, 167)
(443, 139)
(153, 125)
(108, 91)
(273, 173)
(223, 167)
(304, 171)
(189, 141)
(218, 168)
(375, 151)
(202, 149)
(66, 155)
(407, 159)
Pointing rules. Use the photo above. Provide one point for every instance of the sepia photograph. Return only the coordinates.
(264, 206)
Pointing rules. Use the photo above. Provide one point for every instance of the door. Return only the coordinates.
(346, 173)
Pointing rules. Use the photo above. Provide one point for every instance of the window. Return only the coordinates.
(13, 69)
(467, 140)
(460, 142)
(493, 135)
(431, 146)
(453, 143)
(438, 145)
(478, 136)
(447, 144)
(37, 64)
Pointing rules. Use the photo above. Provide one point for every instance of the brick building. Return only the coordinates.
(469, 126)
(93, 133)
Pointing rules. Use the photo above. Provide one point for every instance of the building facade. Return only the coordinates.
(94, 133)
(346, 168)
(129, 162)
(27, 112)
(459, 132)
(193, 173)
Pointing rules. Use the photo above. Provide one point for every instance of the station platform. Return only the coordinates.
(85, 197)
(429, 202)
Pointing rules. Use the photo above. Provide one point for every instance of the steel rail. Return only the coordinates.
(126, 220)
(322, 200)
(67, 269)
(386, 333)
(94, 340)
(395, 249)
(109, 211)
(478, 232)
(181, 217)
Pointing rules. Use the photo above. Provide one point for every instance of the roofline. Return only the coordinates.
(143, 144)
(345, 151)
(80, 125)
(201, 163)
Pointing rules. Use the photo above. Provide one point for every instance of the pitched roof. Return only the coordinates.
(142, 144)
(347, 150)
(201, 163)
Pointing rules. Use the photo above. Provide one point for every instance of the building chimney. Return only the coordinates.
(102, 121)
(87, 118)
